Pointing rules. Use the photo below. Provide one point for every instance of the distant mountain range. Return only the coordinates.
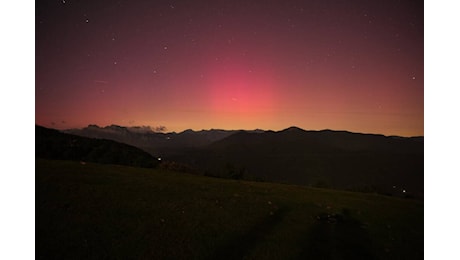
(336, 159)
(156, 143)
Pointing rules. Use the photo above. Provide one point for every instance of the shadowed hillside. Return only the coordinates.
(52, 144)
(332, 159)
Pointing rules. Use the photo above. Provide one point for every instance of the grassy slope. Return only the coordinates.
(97, 211)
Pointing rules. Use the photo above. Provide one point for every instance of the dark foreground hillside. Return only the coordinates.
(96, 211)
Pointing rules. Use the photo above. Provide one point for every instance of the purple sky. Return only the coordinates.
(344, 65)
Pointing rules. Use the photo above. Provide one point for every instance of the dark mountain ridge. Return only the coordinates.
(323, 140)
(53, 144)
(335, 159)
(159, 143)
(156, 143)
(327, 158)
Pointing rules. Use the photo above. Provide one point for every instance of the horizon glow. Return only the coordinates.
(355, 66)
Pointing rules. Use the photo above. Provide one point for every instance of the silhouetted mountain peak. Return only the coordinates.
(93, 126)
(293, 129)
(116, 127)
(187, 131)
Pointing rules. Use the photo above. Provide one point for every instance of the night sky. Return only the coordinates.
(342, 65)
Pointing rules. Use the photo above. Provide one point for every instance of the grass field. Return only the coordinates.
(93, 211)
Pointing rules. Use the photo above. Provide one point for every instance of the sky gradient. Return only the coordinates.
(341, 65)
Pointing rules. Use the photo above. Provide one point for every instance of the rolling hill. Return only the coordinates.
(96, 211)
(53, 144)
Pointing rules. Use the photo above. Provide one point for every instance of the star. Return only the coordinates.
(267, 52)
